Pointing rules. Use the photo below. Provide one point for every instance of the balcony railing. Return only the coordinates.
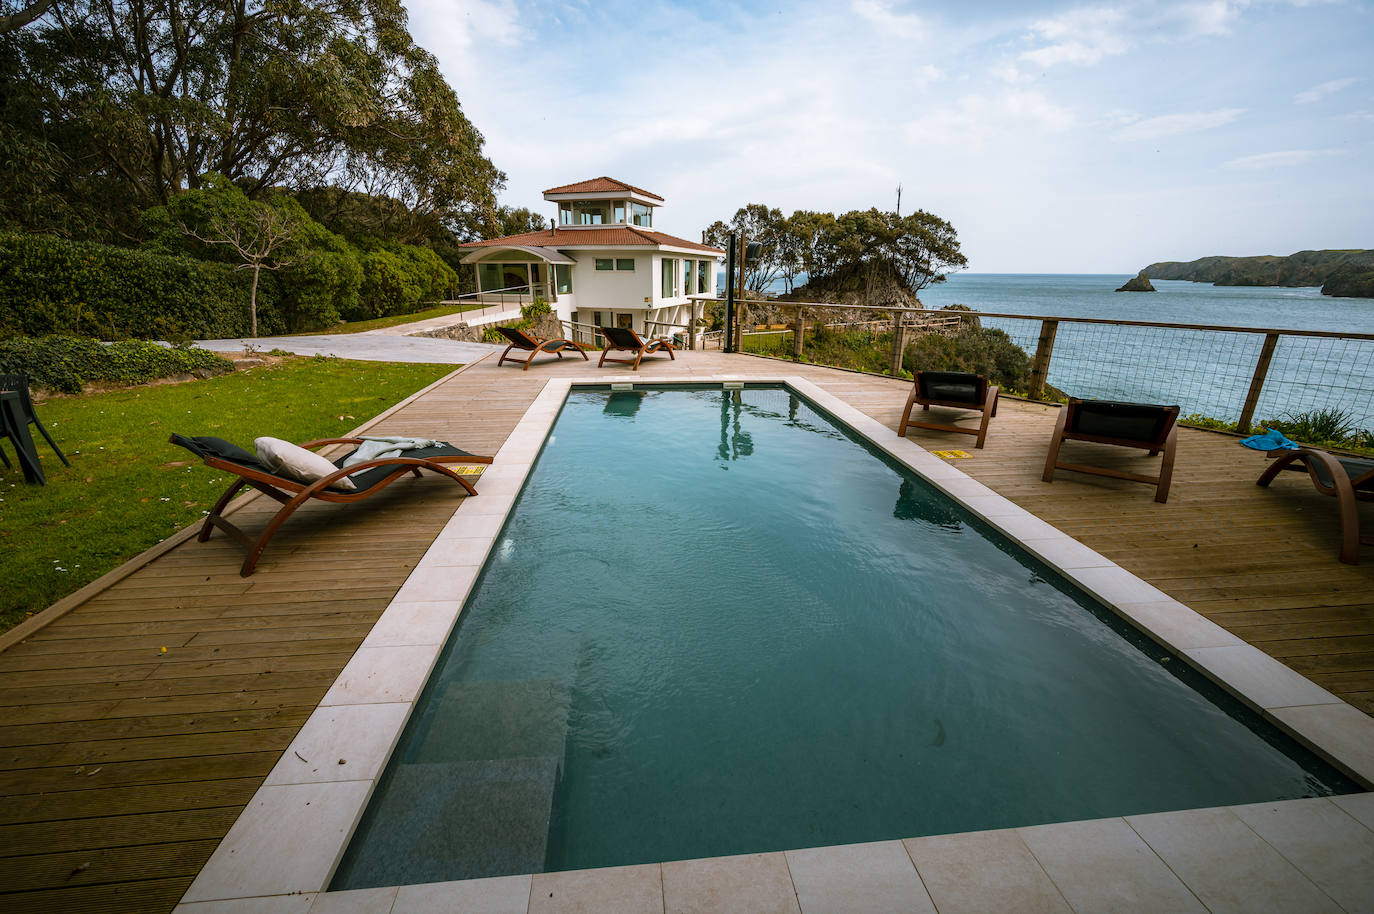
(1233, 374)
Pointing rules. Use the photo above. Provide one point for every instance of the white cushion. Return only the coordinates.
(295, 462)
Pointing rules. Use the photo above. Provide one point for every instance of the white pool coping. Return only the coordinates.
(283, 850)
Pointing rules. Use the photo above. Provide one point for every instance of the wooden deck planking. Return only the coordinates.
(104, 729)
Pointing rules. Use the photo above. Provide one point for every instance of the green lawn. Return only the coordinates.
(393, 320)
(127, 488)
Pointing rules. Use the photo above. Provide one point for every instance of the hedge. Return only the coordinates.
(399, 279)
(52, 285)
(67, 363)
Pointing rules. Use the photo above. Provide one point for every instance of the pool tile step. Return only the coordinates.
(471, 721)
(443, 821)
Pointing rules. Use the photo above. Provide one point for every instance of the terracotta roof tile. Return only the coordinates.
(615, 235)
(602, 184)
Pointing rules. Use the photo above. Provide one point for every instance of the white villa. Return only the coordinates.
(601, 263)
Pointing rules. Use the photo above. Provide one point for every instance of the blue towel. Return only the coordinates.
(1271, 440)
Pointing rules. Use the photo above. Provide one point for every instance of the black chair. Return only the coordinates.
(19, 383)
(1135, 425)
(954, 390)
(1347, 479)
(623, 339)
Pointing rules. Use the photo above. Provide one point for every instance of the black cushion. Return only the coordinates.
(208, 446)
(1142, 422)
(1354, 468)
(517, 338)
(621, 338)
(953, 386)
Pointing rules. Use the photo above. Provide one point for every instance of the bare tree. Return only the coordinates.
(256, 235)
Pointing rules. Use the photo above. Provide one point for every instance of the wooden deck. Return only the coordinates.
(122, 765)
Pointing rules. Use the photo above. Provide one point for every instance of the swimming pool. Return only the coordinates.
(716, 623)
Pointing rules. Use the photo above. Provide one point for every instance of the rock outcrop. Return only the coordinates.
(1305, 268)
(1138, 283)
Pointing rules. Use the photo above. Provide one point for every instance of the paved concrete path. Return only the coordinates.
(372, 346)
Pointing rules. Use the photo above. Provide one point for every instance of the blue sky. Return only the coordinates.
(1077, 138)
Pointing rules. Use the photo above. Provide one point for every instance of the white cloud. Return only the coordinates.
(898, 25)
(1212, 17)
(978, 121)
(1277, 159)
(1173, 124)
(1316, 93)
(1087, 35)
(1083, 36)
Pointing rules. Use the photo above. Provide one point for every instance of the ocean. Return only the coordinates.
(1206, 373)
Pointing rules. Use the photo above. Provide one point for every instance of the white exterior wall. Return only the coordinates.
(611, 290)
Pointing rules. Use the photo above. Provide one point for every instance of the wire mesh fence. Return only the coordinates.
(1208, 371)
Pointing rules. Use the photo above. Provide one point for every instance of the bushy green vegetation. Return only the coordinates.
(127, 488)
(67, 363)
(285, 165)
(52, 285)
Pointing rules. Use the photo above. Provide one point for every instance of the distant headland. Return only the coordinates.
(1349, 274)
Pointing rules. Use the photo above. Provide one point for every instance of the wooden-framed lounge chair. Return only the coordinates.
(1137, 425)
(370, 477)
(622, 339)
(534, 345)
(1347, 479)
(956, 390)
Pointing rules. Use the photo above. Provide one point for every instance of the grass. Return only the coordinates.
(392, 320)
(127, 488)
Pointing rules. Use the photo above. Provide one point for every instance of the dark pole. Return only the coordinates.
(730, 295)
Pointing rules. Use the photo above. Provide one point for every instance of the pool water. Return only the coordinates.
(718, 624)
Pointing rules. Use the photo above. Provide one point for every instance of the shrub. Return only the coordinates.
(984, 350)
(66, 363)
(398, 279)
(324, 285)
(51, 285)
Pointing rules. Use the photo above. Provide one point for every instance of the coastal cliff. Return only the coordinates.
(1343, 273)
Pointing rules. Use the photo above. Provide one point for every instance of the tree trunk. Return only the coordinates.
(253, 302)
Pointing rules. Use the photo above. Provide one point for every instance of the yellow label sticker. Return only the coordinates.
(951, 455)
(468, 470)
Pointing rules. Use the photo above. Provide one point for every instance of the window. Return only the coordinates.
(605, 263)
(625, 264)
(702, 277)
(591, 212)
(562, 277)
(625, 321)
(642, 215)
(619, 211)
(669, 277)
(687, 274)
(488, 277)
(565, 214)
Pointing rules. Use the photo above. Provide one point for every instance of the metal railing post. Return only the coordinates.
(1247, 412)
(798, 332)
(1040, 370)
(727, 345)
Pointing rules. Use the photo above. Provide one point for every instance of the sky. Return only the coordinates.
(1054, 137)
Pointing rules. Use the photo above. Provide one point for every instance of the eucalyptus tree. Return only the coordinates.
(143, 97)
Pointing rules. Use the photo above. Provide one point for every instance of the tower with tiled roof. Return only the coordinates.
(600, 262)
